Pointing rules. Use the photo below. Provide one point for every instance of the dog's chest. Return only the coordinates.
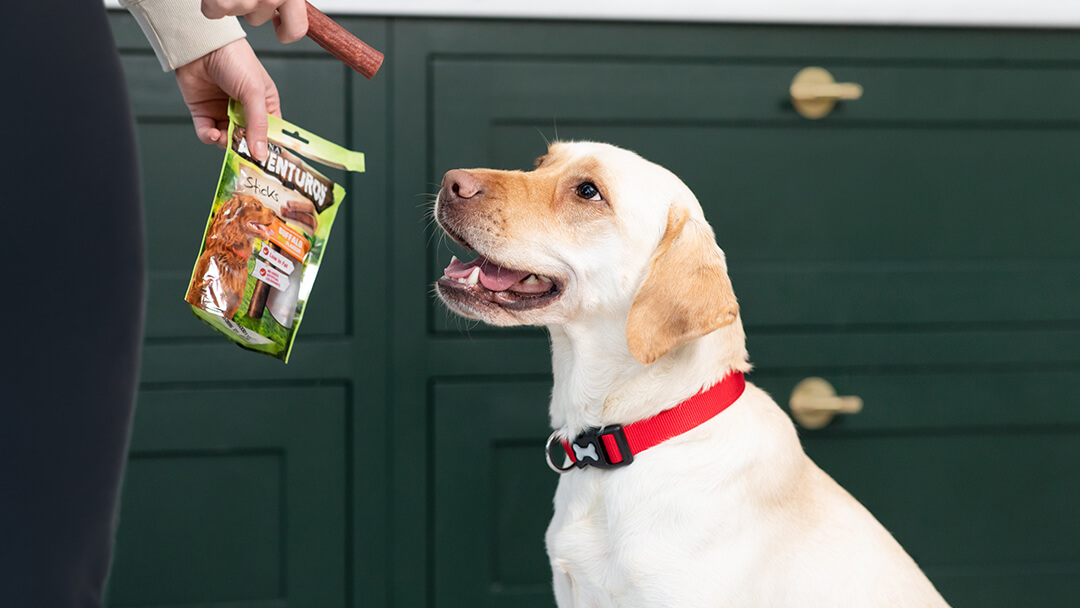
(626, 545)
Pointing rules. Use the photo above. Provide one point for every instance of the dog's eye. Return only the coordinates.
(588, 191)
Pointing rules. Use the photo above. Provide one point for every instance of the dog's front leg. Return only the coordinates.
(565, 590)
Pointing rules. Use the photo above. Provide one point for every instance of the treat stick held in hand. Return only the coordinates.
(341, 44)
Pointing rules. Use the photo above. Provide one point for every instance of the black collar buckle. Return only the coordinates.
(591, 449)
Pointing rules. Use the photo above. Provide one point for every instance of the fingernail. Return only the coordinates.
(260, 150)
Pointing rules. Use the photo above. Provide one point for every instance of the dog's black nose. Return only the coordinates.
(459, 184)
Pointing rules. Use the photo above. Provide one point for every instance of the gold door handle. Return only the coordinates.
(814, 92)
(814, 403)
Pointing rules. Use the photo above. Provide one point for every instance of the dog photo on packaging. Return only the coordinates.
(682, 484)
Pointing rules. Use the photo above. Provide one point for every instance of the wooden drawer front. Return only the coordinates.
(493, 493)
(944, 196)
(234, 495)
(916, 248)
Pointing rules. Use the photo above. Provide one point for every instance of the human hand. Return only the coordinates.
(290, 16)
(231, 71)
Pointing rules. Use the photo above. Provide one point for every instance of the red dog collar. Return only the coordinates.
(615, 446)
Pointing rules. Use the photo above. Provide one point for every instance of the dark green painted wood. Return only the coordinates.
(681, 91)
(202, 528)
(916, 248)
(972, 507)
(368, 257)
(944, 460)
(343, 346)
(493, 495)
(234, 495)
(936, 401)
(911, 223)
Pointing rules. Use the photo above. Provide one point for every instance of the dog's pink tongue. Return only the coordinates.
(492, 276)
(497, 278)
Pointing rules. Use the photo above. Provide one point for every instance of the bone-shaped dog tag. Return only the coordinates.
(587, 452)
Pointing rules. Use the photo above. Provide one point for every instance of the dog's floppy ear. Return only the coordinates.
(687, 294)
(228, 211)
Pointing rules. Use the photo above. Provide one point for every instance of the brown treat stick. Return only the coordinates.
(354, 52)
(260, 294)
(258, 300)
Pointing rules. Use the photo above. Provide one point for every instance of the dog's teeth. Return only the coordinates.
(530, 280)
(543, 278)
(474, 276)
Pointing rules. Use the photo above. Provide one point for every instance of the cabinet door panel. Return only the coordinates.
(234, 495)
(915, 247)
(897, 219)
(492, 493)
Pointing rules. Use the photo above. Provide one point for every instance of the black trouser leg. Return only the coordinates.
(73, 285)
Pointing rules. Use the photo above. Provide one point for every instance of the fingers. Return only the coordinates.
(290, 23)
(206, 129)
(273, 101)
(223, 129)
(216, 9)
(230, 71)
(211, 10)
(261, 14)
(257, 125)
(210, 131)
(235, 71)
(258, 12)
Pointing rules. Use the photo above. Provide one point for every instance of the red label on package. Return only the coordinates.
(269, 275)
(281, 262)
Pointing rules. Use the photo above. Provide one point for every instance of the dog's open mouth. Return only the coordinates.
(489, 282)
(257, 228)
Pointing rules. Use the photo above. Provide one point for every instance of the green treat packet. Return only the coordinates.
(266, 235)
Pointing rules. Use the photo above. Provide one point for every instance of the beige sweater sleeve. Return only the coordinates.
(179, 32)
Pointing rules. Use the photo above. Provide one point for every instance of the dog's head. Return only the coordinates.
(241, 219)
(592, 230)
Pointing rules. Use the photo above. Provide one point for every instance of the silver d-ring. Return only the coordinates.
(552, 440)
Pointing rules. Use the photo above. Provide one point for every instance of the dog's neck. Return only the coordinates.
(243, 250)
(598, 382)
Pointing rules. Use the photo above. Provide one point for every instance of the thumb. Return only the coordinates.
(257, 124)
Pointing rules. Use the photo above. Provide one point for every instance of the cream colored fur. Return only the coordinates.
(732, 513)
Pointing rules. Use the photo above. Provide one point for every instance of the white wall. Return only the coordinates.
(1029, 13)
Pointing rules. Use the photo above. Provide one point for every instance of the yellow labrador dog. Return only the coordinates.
(683, 485)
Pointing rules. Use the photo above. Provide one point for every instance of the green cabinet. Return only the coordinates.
(253, 483)
(491, 500)
(916, 248)
(234, 495)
